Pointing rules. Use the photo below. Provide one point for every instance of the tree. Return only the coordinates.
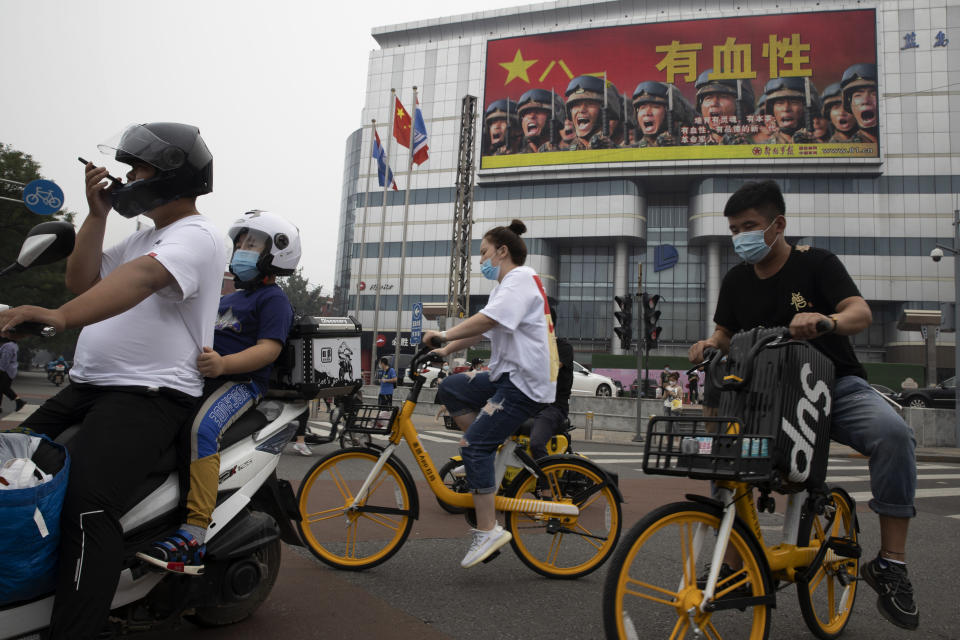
(43, 286)
(306, 300)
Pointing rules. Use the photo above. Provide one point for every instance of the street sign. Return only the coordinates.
(416, 323)
(43, 197)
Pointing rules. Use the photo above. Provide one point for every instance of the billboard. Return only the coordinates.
(785, 87)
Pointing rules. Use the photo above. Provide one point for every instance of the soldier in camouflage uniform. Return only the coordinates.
(859, 84)
(765, 127)
(501, 128)
(843, 126)
(719, 102)
(661, 111)
(542, 113)
(792, 102)
(585, 98)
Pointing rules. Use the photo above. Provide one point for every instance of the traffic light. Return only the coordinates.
(650, 318)
(625, 317)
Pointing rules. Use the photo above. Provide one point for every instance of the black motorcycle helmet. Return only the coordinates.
(184, 165)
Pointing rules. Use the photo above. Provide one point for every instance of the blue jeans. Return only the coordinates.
(500, 407)
(864, 421)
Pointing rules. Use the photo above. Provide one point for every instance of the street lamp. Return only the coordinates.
(936, 255)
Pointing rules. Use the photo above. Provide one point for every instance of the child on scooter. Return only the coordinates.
(251, 329)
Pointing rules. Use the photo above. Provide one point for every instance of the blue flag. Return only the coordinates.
(419, 136)
(383, 169)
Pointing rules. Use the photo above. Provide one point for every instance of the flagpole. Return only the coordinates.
(366, 206)
(383, 231)
(403, 236)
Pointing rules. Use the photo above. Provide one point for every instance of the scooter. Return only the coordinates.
(56, 372)
(255, 511)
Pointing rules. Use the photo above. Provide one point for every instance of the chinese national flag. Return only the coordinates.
(402, 124)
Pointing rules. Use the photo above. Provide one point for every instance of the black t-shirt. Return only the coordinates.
(565, 375)
(811, 281)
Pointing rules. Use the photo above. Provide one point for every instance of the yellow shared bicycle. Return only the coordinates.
(704, 568)
(357, 506)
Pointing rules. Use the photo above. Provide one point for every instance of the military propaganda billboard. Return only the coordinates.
(786, 87)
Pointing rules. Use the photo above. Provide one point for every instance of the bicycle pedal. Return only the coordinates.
(844, 548)
(491, 557)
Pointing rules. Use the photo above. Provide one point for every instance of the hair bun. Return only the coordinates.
(517, 227)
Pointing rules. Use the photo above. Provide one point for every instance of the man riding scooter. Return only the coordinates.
(147, 307)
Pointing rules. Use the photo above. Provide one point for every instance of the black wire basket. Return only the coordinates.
(370, 418)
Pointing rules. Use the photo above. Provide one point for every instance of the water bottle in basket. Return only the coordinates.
(782, 391)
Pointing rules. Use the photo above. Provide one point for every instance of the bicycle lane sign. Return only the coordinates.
(43, 197)
(416, 323)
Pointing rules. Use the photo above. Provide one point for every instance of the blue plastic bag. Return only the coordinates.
(30, 523)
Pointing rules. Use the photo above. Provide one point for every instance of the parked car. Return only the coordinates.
(587, 383)
(886, 391)
(941, 396)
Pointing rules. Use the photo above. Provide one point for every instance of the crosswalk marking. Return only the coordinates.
(942, 476)
(862, 496)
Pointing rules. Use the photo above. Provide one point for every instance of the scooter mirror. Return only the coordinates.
(45, 243)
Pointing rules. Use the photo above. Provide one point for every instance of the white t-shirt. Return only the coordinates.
(523, 343)
(156, 343)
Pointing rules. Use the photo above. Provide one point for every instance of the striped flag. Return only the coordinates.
(420, 154)
(383, 169)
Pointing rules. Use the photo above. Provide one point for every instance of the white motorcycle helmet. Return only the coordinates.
(281, 243)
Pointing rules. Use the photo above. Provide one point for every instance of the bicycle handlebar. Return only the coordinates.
(35, 329)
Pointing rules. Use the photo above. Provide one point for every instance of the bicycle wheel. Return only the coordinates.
(651, 589)
(365, 537)
(551, 547)
(454, 483)
(827, 600)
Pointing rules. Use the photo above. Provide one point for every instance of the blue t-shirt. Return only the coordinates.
(245, 317)
(386, 388)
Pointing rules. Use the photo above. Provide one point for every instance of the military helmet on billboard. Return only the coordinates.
(592, 88)
(502, 108)
(540, 99)
(832, 95)
(742, 88)
(777, 88)
(858, 76)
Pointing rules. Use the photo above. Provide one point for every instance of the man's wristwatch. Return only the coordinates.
(835, 323)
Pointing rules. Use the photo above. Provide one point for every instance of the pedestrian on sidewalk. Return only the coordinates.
(8, 370)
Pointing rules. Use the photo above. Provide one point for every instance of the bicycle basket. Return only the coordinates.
(782, 389)
(706, 449)
(370, 418)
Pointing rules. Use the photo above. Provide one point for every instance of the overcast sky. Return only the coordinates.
(275, 88)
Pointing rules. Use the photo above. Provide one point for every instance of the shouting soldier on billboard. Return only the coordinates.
(661, 111)
(859, 84)
(542, 115)
(501, 128)
(585, 106)
(842, 124)
(720, 100)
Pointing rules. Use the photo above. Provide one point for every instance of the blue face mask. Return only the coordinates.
(489, 271)
(244, 265)
(750, 245)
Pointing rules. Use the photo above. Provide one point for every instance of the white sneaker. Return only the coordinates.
(484, 544)
(302, 449)
(459, 472)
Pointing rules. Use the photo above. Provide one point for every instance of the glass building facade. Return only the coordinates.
(590, 226)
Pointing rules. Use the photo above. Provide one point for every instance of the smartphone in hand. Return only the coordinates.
(116, 181)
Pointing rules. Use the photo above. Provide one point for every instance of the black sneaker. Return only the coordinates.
(20, 404)
(896, 601)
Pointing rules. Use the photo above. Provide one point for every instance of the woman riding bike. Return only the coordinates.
(490, 405)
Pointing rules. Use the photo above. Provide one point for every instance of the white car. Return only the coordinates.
(587, 383)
